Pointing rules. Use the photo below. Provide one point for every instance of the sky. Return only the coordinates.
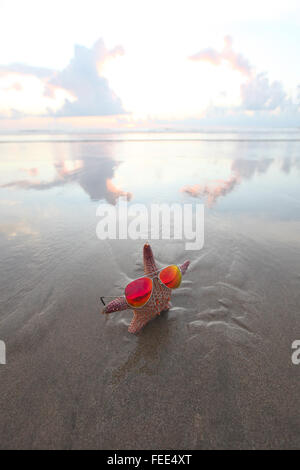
(135, 64)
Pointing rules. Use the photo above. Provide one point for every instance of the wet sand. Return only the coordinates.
(214, 372)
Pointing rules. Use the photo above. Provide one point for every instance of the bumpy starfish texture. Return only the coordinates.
(158, 302)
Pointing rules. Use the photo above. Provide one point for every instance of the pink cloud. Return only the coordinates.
(207, 55)
(14, 87)
(235, 60)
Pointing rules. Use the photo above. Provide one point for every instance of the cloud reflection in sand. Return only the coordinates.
(94, 175)
(12, 230)
(214, 189)
(155, 172)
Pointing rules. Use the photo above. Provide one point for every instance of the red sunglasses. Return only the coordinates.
(139, 291)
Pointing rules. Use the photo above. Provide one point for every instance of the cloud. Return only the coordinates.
(93, 96)
(262, 102)
(208, 55)
(24, 69)
(85, 91)
(259, 93)
(235, 60)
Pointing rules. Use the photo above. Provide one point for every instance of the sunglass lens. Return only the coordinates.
(171, 276)
(138, 292)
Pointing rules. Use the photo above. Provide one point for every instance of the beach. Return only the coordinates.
(215, 371)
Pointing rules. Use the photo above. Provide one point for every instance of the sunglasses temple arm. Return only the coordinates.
(106, 297)
(116, 305)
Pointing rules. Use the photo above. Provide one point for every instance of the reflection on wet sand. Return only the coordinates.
(30, 171)
(95, 169)
(11, 230)
(213, 190)
(146, 356)
(240, 169)
(93, 174)
(246, 169)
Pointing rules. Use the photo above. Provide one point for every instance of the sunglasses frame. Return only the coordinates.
(152, 275)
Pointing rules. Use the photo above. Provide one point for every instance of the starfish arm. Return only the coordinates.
(139, 320)
(184, 266)
(135, 325)
(149, 263)
(116, 305)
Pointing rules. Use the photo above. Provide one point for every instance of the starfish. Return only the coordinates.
(158, 302)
